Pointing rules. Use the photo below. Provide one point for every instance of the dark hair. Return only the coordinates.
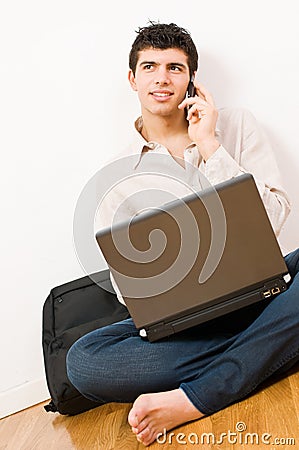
(163, 36)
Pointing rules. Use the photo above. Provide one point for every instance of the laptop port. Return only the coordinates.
(275, 290)
(266, 294)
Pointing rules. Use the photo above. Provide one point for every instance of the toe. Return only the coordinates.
(133, 418)
(138, 412)
(144, 436)
(142, 425)
(148, 437)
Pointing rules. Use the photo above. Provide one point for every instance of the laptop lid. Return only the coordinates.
(193, 252)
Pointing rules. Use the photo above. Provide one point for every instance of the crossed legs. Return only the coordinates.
(193, 373)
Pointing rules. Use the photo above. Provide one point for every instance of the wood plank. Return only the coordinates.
(274, 409)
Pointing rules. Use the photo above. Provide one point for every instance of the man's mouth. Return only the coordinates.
(161, 95)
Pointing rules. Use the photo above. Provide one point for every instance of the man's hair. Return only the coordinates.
(162, 36)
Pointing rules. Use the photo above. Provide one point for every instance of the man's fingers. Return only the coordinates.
(196, 112)
(203, 98)
(193, 101)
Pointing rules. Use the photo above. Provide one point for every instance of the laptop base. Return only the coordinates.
(170, 326)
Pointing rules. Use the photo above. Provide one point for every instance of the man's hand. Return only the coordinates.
(202, 117)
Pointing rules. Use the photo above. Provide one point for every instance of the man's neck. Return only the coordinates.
(170, 131)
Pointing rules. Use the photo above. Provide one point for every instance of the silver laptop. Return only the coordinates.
(196, 258)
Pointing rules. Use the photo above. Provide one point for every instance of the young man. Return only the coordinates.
(201, 370)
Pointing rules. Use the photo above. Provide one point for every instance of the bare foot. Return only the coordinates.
(152, 413)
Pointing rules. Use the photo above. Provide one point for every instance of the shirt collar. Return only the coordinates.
(139, 143)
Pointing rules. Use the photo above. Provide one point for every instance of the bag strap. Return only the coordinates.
(101, 278)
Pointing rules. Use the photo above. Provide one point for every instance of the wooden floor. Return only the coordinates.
(272, 413)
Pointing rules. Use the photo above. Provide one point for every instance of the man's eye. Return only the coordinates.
(148, 66)
(176, 68)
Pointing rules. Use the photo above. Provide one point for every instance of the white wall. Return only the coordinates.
(65, 105)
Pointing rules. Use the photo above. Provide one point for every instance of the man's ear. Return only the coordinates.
(131, 79)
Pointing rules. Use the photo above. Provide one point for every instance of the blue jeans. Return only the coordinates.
(215, 364)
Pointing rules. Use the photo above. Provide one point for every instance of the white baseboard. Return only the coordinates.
(23, 396)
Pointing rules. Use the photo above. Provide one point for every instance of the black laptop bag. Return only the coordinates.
(70, 311)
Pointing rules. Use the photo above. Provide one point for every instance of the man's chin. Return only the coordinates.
(163, 111)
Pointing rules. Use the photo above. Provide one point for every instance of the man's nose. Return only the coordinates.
(162, 76)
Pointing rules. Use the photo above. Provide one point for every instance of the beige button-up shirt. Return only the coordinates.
(146, 175)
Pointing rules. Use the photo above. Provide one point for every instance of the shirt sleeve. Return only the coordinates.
(245, 149)
(104, 218)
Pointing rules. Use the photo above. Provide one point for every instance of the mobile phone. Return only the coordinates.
(191, 89)
(191, 92)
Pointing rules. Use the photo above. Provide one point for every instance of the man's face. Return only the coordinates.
(161, 80)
